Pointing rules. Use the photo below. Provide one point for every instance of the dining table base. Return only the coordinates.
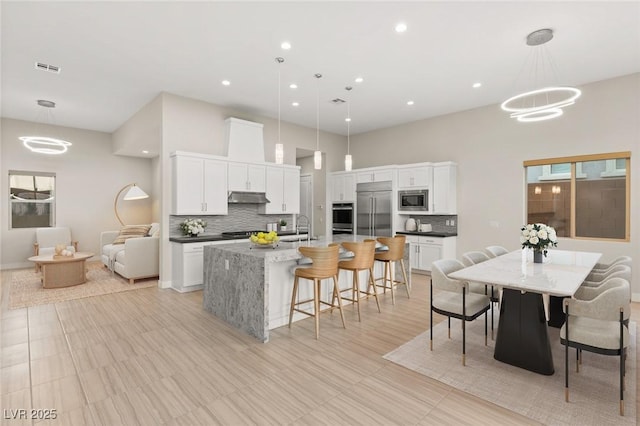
(523, 339)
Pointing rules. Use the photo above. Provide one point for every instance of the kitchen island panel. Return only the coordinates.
(237, 293)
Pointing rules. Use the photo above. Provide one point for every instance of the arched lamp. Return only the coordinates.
(134, 193)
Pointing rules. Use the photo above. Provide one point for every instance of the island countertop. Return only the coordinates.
(250, 287)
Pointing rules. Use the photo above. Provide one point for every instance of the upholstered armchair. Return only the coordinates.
(136, 257)
(48, 238)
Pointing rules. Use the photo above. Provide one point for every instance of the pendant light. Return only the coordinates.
(348, 161)
(279, 146)
(45, 144)
(545, 103)
(317, 155)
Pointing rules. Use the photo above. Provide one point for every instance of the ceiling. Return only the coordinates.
(117, 56)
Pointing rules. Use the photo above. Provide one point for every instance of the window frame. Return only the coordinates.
(51, 200)
(576, 173)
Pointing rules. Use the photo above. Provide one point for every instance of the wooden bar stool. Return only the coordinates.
(324, 265)
(364, 256)
(390, 257)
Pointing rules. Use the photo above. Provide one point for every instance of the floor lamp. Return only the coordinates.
(134, 193)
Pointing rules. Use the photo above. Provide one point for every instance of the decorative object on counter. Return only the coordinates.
(264, 240)
(61, 252)
(426, 227)
(283, 225)
(193, 227)
(538, 237)
(410, 224)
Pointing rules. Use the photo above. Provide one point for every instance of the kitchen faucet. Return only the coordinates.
(301, 216)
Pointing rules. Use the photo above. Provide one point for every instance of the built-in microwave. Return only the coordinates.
(414, 200)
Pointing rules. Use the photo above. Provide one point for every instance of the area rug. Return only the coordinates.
(593, 392)
(26, 289)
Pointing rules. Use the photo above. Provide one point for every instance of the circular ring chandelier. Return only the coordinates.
(540, 104)
(45, 145)
(541, 112)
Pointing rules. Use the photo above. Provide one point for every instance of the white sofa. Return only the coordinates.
(136, 258)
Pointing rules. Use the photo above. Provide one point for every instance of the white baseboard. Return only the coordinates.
(164, 284)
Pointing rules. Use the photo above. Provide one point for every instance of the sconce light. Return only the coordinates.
(555, 189)
(537, 190)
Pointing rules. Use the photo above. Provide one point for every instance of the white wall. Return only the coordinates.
(88, 177)
(490, 147)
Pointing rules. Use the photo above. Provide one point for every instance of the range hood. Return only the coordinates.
(241, 197)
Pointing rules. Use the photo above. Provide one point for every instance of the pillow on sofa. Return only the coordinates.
(131, 231)
(155, 227)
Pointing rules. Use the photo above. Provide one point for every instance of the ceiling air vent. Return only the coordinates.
(46, 67)
(338, 101)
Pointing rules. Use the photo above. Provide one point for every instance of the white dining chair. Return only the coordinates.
(454, 300)
(472, 258)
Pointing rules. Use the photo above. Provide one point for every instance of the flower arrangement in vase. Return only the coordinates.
(539, 237)
(193, 227)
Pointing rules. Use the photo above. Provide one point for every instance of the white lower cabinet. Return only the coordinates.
(425, 250)
(187, 260)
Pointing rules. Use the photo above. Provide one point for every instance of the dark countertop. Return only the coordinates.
(217, 237)
(429, 234)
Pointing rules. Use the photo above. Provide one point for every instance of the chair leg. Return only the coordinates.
(485, 326)
(430, 314)
(577, 360)
(293, 299)
(335, 286)
(449, 324)
(372, 285)
(316, 305)
(356, 291)
(404, 275)
(566, 357)
(391, 271)
(464, 331)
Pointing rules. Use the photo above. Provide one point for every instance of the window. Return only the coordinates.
(581, 197)
(32, 199)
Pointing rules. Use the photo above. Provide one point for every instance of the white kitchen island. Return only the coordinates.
(250, 287)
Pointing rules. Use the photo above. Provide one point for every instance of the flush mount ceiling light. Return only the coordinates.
(317, 155)
(46, 144)
(285, 45)
(279, 146)
(401, 27)
(359, 79)
(545, 103)
(226, 83)
(476, 85)
(410, 103)
(293, 86)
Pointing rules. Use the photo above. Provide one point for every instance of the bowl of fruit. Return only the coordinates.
(264, 239)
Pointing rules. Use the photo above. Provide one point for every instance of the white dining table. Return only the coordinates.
(523, 338)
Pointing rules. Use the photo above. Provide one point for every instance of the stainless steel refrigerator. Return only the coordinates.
(374, 209)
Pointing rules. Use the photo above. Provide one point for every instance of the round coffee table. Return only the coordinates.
(62, 271)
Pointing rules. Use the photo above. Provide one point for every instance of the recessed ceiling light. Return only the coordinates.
(348, 119)
(145, 151)
(401, 27)
(285, 45)
(359, 79)
(293, 86)
(476, 85)
(410, 103)
(226, 82)
(295, 104)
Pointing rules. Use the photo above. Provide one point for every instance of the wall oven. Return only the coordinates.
(415, 200)
(342, 218)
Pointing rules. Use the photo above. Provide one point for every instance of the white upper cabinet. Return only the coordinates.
(416, 176)
(282, 190)
(374, 175)
(444, 188)
(247, 177)
(199, 185)
(343, 187)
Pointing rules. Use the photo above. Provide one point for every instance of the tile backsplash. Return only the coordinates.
(439, 223)
(241, 217)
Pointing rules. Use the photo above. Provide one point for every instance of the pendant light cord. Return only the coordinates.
(318, 77)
